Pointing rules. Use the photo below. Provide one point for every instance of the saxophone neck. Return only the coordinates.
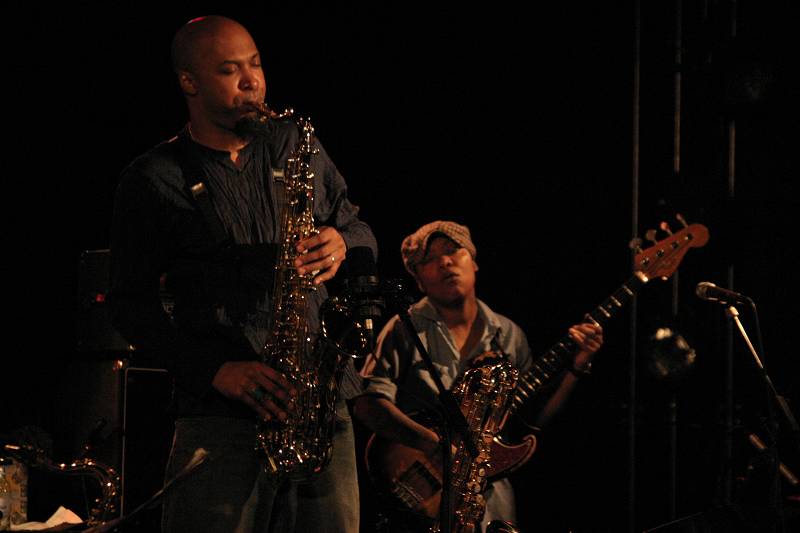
(266, 113)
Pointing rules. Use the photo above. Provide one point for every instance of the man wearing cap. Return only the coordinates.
(454, 326)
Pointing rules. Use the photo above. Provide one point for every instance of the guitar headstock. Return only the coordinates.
(663, 258)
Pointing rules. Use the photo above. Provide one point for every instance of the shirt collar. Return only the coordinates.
(425, 309)
(222, 156)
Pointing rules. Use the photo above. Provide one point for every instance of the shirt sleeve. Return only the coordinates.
(382, 370)
(138, 258)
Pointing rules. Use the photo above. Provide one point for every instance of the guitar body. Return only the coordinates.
(506, 458)
(409, 478)
(413, 480)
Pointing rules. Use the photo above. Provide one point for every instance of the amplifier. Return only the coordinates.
(95, 332)
(117, 414)
(93, 321)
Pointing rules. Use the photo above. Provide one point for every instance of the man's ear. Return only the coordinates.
(475, 265)
(419, 284)
(187, 82)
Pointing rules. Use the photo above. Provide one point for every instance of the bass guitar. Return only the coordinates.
(488, 393)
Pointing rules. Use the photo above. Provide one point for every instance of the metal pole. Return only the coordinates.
(634, 235)
(676, 170)
(727, 451)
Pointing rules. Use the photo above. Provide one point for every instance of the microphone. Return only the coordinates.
(199, 457)
(708, 291)
(363, 286)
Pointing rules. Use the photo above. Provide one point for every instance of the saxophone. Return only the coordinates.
(484, 393)
(104, 507)
(413, 481)
(301, 446)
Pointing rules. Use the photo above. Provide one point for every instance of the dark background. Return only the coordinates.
(517, 123)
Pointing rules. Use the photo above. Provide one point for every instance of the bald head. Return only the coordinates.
(194, 38)
(219, 72)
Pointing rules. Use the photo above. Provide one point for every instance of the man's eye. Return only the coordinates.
(450, 250)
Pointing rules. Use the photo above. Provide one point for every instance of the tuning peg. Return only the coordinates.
(650, 235)
(665, 228)
(635, 244)
(682, 220)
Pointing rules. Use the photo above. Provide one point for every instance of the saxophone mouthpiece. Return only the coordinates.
(265, 112)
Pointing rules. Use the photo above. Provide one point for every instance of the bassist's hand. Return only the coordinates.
(428, 442)
(589, 337)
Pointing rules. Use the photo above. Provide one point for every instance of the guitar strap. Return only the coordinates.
(402, 378)
(495, 343)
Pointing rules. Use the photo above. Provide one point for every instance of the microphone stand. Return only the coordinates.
(452, 420)
(732, 313)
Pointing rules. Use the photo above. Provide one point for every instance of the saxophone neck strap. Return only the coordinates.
(193, 176)
(278, 187)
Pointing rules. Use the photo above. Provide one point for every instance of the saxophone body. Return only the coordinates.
(484, 393)
(301, 446)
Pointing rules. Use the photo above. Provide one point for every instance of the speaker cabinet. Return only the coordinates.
(116, 414)
(147, 434)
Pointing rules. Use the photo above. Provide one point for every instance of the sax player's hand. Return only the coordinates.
(259, 386)
(324, 254)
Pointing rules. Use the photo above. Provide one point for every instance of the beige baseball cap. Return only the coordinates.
(415, 245)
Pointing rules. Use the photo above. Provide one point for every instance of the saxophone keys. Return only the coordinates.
(273, 466)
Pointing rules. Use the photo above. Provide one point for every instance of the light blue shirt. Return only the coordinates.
(399, 374)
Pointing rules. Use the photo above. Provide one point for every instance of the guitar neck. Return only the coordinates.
(561, 354)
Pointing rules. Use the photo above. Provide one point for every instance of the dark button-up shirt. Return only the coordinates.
(221, 289)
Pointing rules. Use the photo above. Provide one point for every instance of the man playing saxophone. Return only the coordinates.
(455, 327)
(203, 211)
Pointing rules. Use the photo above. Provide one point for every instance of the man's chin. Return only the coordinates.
(251, 125)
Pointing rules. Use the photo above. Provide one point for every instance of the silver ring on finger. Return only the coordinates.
(258, 393)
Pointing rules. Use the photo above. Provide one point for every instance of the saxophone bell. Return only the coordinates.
(347, 321)
(501, 526)
(342, 331)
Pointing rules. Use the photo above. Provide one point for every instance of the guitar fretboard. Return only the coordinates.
(560, 355)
